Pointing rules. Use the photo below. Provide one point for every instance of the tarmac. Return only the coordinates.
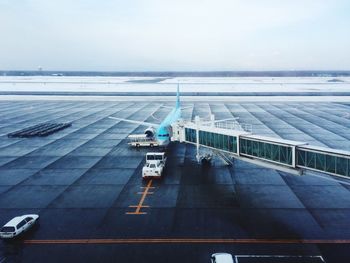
(85, 183)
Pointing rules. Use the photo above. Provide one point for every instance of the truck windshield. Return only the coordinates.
(150, 157)
(8, 229)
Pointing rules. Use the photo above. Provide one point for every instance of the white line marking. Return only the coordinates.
(277, 256)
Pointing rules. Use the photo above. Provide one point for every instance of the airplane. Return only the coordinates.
(161, 132)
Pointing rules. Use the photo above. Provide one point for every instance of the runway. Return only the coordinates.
(85, 183)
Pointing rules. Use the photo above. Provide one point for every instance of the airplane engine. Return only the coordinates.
(150, 132)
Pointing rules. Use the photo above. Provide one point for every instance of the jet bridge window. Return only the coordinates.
(301, 157)
(330, 163)
(190, 135)
(310, 159)
(323, 162)
(266, 150)
(226, 143)
(343, 166)
(219, 141)
(232, 144)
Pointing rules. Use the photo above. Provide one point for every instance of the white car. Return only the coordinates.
(18, 225)
(222, 258)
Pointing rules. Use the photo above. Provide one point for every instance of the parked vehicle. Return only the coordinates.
(141, 140)
(18, 225)
(153, 169)
(156, 156)
(222, 258)
(155, 165)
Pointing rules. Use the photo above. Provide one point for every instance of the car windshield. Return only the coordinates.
(159, 157)
(8, 229)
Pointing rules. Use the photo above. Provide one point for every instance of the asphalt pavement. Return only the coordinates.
(85, 183)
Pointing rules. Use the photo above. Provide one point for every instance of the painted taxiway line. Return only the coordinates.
(186, 240)
(142, 200)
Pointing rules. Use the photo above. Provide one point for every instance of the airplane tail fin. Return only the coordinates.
(178, 97)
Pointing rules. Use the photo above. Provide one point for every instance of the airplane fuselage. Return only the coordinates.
(163, 132)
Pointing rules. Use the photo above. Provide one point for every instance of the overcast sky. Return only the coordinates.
(139, 35)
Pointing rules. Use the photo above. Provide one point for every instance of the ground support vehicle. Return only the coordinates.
(155, 165)
(141, 140)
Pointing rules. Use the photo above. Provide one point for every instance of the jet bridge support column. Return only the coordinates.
(212, 120)
(197, 121)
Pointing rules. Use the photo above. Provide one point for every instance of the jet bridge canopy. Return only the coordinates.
(280, 154)
(325, 160)
(213, 139)
(269, 149)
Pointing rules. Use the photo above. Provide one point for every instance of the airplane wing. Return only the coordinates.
(135, 122)
(187, 107)
(182, 108)
(166, 107)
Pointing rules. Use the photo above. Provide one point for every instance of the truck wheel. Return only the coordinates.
(137, 145)
(151, 145)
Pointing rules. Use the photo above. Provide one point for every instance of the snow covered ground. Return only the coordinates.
(187, 84)
(186, 99)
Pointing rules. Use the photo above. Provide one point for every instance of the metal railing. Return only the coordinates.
(233, 126)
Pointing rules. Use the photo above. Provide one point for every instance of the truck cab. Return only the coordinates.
(156, 156)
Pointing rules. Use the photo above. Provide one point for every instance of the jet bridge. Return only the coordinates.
(238, 141)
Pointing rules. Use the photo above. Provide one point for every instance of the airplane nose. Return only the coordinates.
(162, 142)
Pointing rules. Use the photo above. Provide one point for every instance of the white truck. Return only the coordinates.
(141, 140)
(154, 166)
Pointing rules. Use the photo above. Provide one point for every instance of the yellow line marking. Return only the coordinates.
(187, 240)
(142, 200)
(139, 206)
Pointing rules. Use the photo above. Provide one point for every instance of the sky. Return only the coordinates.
(181, 35)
